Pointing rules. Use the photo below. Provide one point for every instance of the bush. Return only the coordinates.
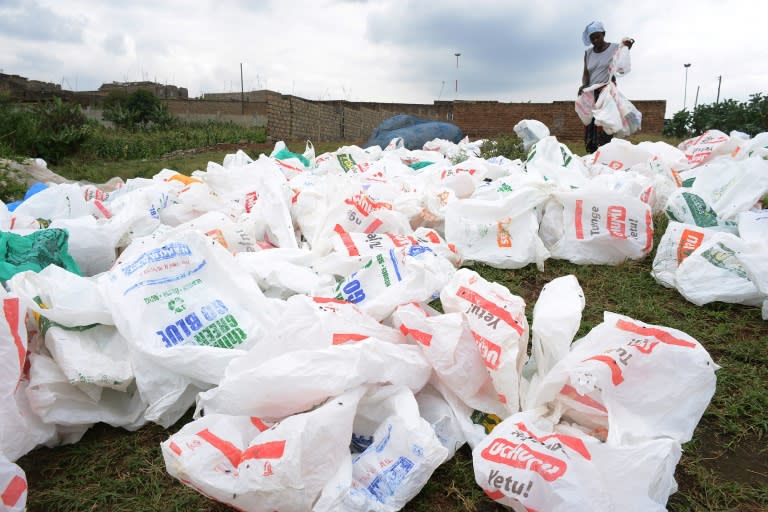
(61, 129)
(679, 125)
(50, 130)
(750, 117)
(17, 129)
(138, 110)
(503, 145)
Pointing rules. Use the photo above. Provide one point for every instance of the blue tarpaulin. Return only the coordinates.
(414, 131)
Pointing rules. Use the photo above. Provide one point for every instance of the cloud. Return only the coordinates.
(116, 45)
(28, 20)
(502, 50)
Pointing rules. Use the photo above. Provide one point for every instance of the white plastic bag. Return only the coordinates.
(627, 380)
(188, 295)
(708, 145)
(556, 319)
(58, 402)
(395, 452)
(530, 131)
(450, 348)
(714, 272)
(598, 226)
(497, 321)
(13, 486)
(753, 230)
(21, 430)
(238, 460)
(679, 242)
(296, 381)
(732, 186)
(396, 277)
(585, 104)
(687, 207)
(622, 63)
(501, 232)
(92, 243)
(61, 296)
(528, 463)
(369, 244)
(615, 113)
(198, 312)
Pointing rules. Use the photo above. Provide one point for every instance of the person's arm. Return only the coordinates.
(584, 75)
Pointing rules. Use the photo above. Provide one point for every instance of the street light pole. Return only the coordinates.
(457, 73)
(719, 81)
(685, 92)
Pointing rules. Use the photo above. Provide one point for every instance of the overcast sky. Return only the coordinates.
(388, 50)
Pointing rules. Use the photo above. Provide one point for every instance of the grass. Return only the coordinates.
(724, 467)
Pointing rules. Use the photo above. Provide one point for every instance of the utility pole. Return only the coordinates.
(719, 81)
(696, 101)
(242, 91)
(685, 91)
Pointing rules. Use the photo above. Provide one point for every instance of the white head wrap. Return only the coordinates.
(595, 26)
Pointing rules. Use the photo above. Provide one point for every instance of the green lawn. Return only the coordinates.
(724, 467)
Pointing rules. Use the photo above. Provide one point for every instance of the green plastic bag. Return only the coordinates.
(284, 154)
(35, 252)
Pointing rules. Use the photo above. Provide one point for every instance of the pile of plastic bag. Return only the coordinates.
(716, 245)
(287, 299)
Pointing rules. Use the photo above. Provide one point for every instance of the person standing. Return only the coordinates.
(597, 70)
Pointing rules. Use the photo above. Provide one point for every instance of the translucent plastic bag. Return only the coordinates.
(611, 380)
(679, 242)
(527, 463)
(598, 226)
(241, 461)
(615, 113)
(394, 450)
(500, 232)
(13, 486)
(497, 321)
(531, 131)
(450, 348)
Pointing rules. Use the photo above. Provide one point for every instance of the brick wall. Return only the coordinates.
(484, 119)
(289, 117)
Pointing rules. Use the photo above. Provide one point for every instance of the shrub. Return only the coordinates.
(140, 109)
(503, 145)
(50, 130)
(17, 129)
(679, 125)
(750, 117)
(61, 129)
